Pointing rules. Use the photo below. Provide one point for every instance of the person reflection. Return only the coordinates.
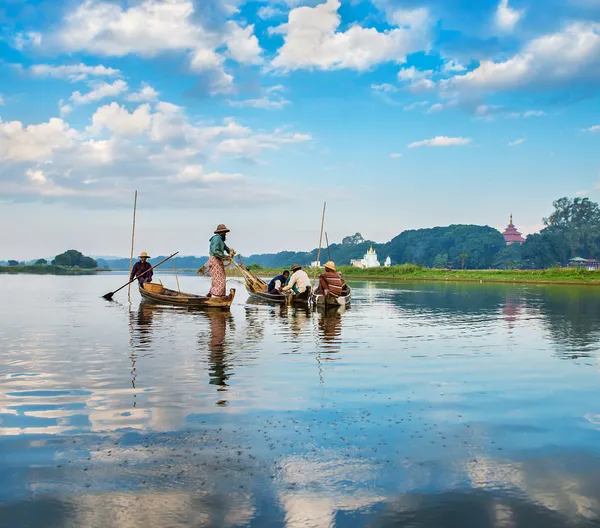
(219, 370)
(145, 317)
(299, 319)
(330, 328)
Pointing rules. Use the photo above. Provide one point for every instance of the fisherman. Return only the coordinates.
(331, 281)
(299, 282)
(140, 267)
(216, 267)
(278, 282)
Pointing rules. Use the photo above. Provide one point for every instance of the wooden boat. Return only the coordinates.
(278, 298)
(158, 294)
(331, 300)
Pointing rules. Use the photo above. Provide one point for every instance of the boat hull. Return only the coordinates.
(331, 300)
(267, 297)
(190, 300)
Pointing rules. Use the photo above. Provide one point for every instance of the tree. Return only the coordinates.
(441, 260)
(353, 240)
(13, 262)
(463, 257)
(41, 262)
(74, 258)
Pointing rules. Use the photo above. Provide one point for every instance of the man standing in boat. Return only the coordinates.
(278, 282)
(139, 269)
(331, 281)
(299, 283)
(216, 267)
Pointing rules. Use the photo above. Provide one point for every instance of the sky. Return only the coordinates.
(401, 114)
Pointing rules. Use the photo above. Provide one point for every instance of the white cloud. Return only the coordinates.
(595, 128)
(146, 94)
(516, 142)
(148, 27)
(64, 108)
(272, 100)
(441, 141)
(395, 155)
(453, 66)
(267, 12)
(581, 193)
(554, 60)
(72, 72)
(416, 105)
(242, 44)
(507, 18)
(418, 81)
(312, 40)
(99, 91)
(34, 142)
(385, 88)
(36, 175)
(434, 109)
(196, 173)
(211, 63)
(118, 120)
(534, 113)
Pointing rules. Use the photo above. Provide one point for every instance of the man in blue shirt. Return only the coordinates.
(278, 282)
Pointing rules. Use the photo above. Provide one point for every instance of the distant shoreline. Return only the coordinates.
(410, 272)
(49, 269)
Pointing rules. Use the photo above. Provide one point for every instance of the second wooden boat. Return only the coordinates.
(331, 300)
(156, 293)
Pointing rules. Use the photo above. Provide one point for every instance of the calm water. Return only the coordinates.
(424, 405)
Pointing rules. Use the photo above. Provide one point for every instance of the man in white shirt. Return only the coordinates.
(299, 282)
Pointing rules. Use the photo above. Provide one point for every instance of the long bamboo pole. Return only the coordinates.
(176, 277)
(320, 240)
(132, 242)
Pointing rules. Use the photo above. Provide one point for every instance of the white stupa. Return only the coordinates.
(388, 262)
(369, 260)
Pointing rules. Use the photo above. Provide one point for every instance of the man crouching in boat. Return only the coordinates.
(140, 267)
(331, 281)
(216, 267)
(277, 283)
(299, 283)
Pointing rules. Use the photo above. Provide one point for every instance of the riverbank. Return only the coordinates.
(48, 269)
(412, 272)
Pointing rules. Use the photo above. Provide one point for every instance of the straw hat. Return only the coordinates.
(330, 265)
(221, 228)
(144, 255)
(295, 267)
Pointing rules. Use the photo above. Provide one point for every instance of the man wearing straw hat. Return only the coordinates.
(330, 282)
(216, 267)
(140, 267)
(299, 282)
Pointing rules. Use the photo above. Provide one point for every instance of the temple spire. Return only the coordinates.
(510, 219)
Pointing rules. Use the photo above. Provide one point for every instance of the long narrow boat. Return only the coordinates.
(266, 297)
(331, 300)
(172, 297)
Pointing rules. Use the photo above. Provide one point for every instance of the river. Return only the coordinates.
(423, 405)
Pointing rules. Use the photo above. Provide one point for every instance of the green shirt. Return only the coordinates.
(218, 247)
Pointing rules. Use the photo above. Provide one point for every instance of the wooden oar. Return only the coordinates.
(109, 295)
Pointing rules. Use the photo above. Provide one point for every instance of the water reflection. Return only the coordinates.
(426, 405)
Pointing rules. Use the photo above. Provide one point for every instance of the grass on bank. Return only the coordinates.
(47, 269)
(415, 272)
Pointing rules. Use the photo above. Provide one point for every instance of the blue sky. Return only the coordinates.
(402, 114)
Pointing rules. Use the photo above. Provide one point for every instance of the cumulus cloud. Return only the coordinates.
(595, 128)
(34, 142)
(441, 141)
(99, 91)
(72, 72)
(145, 94)
(385, 88)
(418, 81)
(550, 61)
(435, 108)
(312, 40)
(242, 44)
(152, 27)
(118, 120)
(516, 142)
(267, 12)
(453, 66)
(506, 18)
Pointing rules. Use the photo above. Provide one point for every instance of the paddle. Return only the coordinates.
(109, 295)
